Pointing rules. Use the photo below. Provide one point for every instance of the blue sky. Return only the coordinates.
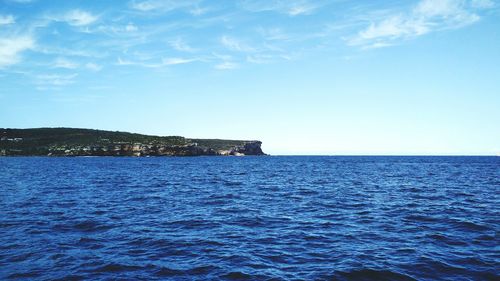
(303, 76)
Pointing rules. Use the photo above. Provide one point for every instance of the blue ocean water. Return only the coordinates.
(250, 218)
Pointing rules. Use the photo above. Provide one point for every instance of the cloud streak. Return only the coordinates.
(425, 17)
(175, 61)
(80, 18)
(55, 79)
(227, 65)
(234, 44)
(76, 18)
(162, 5)
(6, 19)
(93, 66)
(180, 45)
(12, 47)
(155, 64)
(289, 7)
(64, 63)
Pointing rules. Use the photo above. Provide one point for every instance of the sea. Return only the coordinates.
(250, 218)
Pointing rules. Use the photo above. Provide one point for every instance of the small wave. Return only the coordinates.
(447, 240)
(249, 222)
(429, 266)
(70, 278)
(82, 226)
(115, 267)
(84, 240)
(20, 258)
(468, 225)
(233, 183)
(202, 270)
(24, 275)
(421, 218)
(90, 226)
(199, 270)
(372, 275)
(8, 224)
(168, 272)
(237, 275)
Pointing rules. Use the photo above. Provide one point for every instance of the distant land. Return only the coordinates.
(88, 142)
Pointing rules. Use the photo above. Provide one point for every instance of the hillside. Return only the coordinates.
(87, 142)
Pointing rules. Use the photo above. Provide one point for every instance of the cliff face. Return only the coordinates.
(135, 149)
(250, 148)
(82, 142)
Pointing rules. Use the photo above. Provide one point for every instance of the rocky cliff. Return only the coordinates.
(84, 142)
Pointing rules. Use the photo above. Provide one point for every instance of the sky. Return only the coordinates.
(337, 77)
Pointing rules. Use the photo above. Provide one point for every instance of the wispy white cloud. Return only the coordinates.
(55, 79)
(288, 7)
(123, 62)
(76, 18)
(225, 62)
(155, 64)
(12, 47)
(272, 34)
(265, 52)
(80, 18)
(92, 66)
(222, 56)
(174, 61)
(427, 16)
(70, 52)
(180, 45)
(260, 58)
(198, 11)
(234, 44)
(392, 28)
(444, 9)
(113, 30)
(68, 64)
(482, 4)
(6, 19)
(131, 27)
(301, 10)
(64, 63)
(227, 65)
(161, 5)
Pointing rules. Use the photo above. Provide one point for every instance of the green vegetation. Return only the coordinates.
(69, 136)
(218, 144)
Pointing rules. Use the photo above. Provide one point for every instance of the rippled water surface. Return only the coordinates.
(255, 218)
